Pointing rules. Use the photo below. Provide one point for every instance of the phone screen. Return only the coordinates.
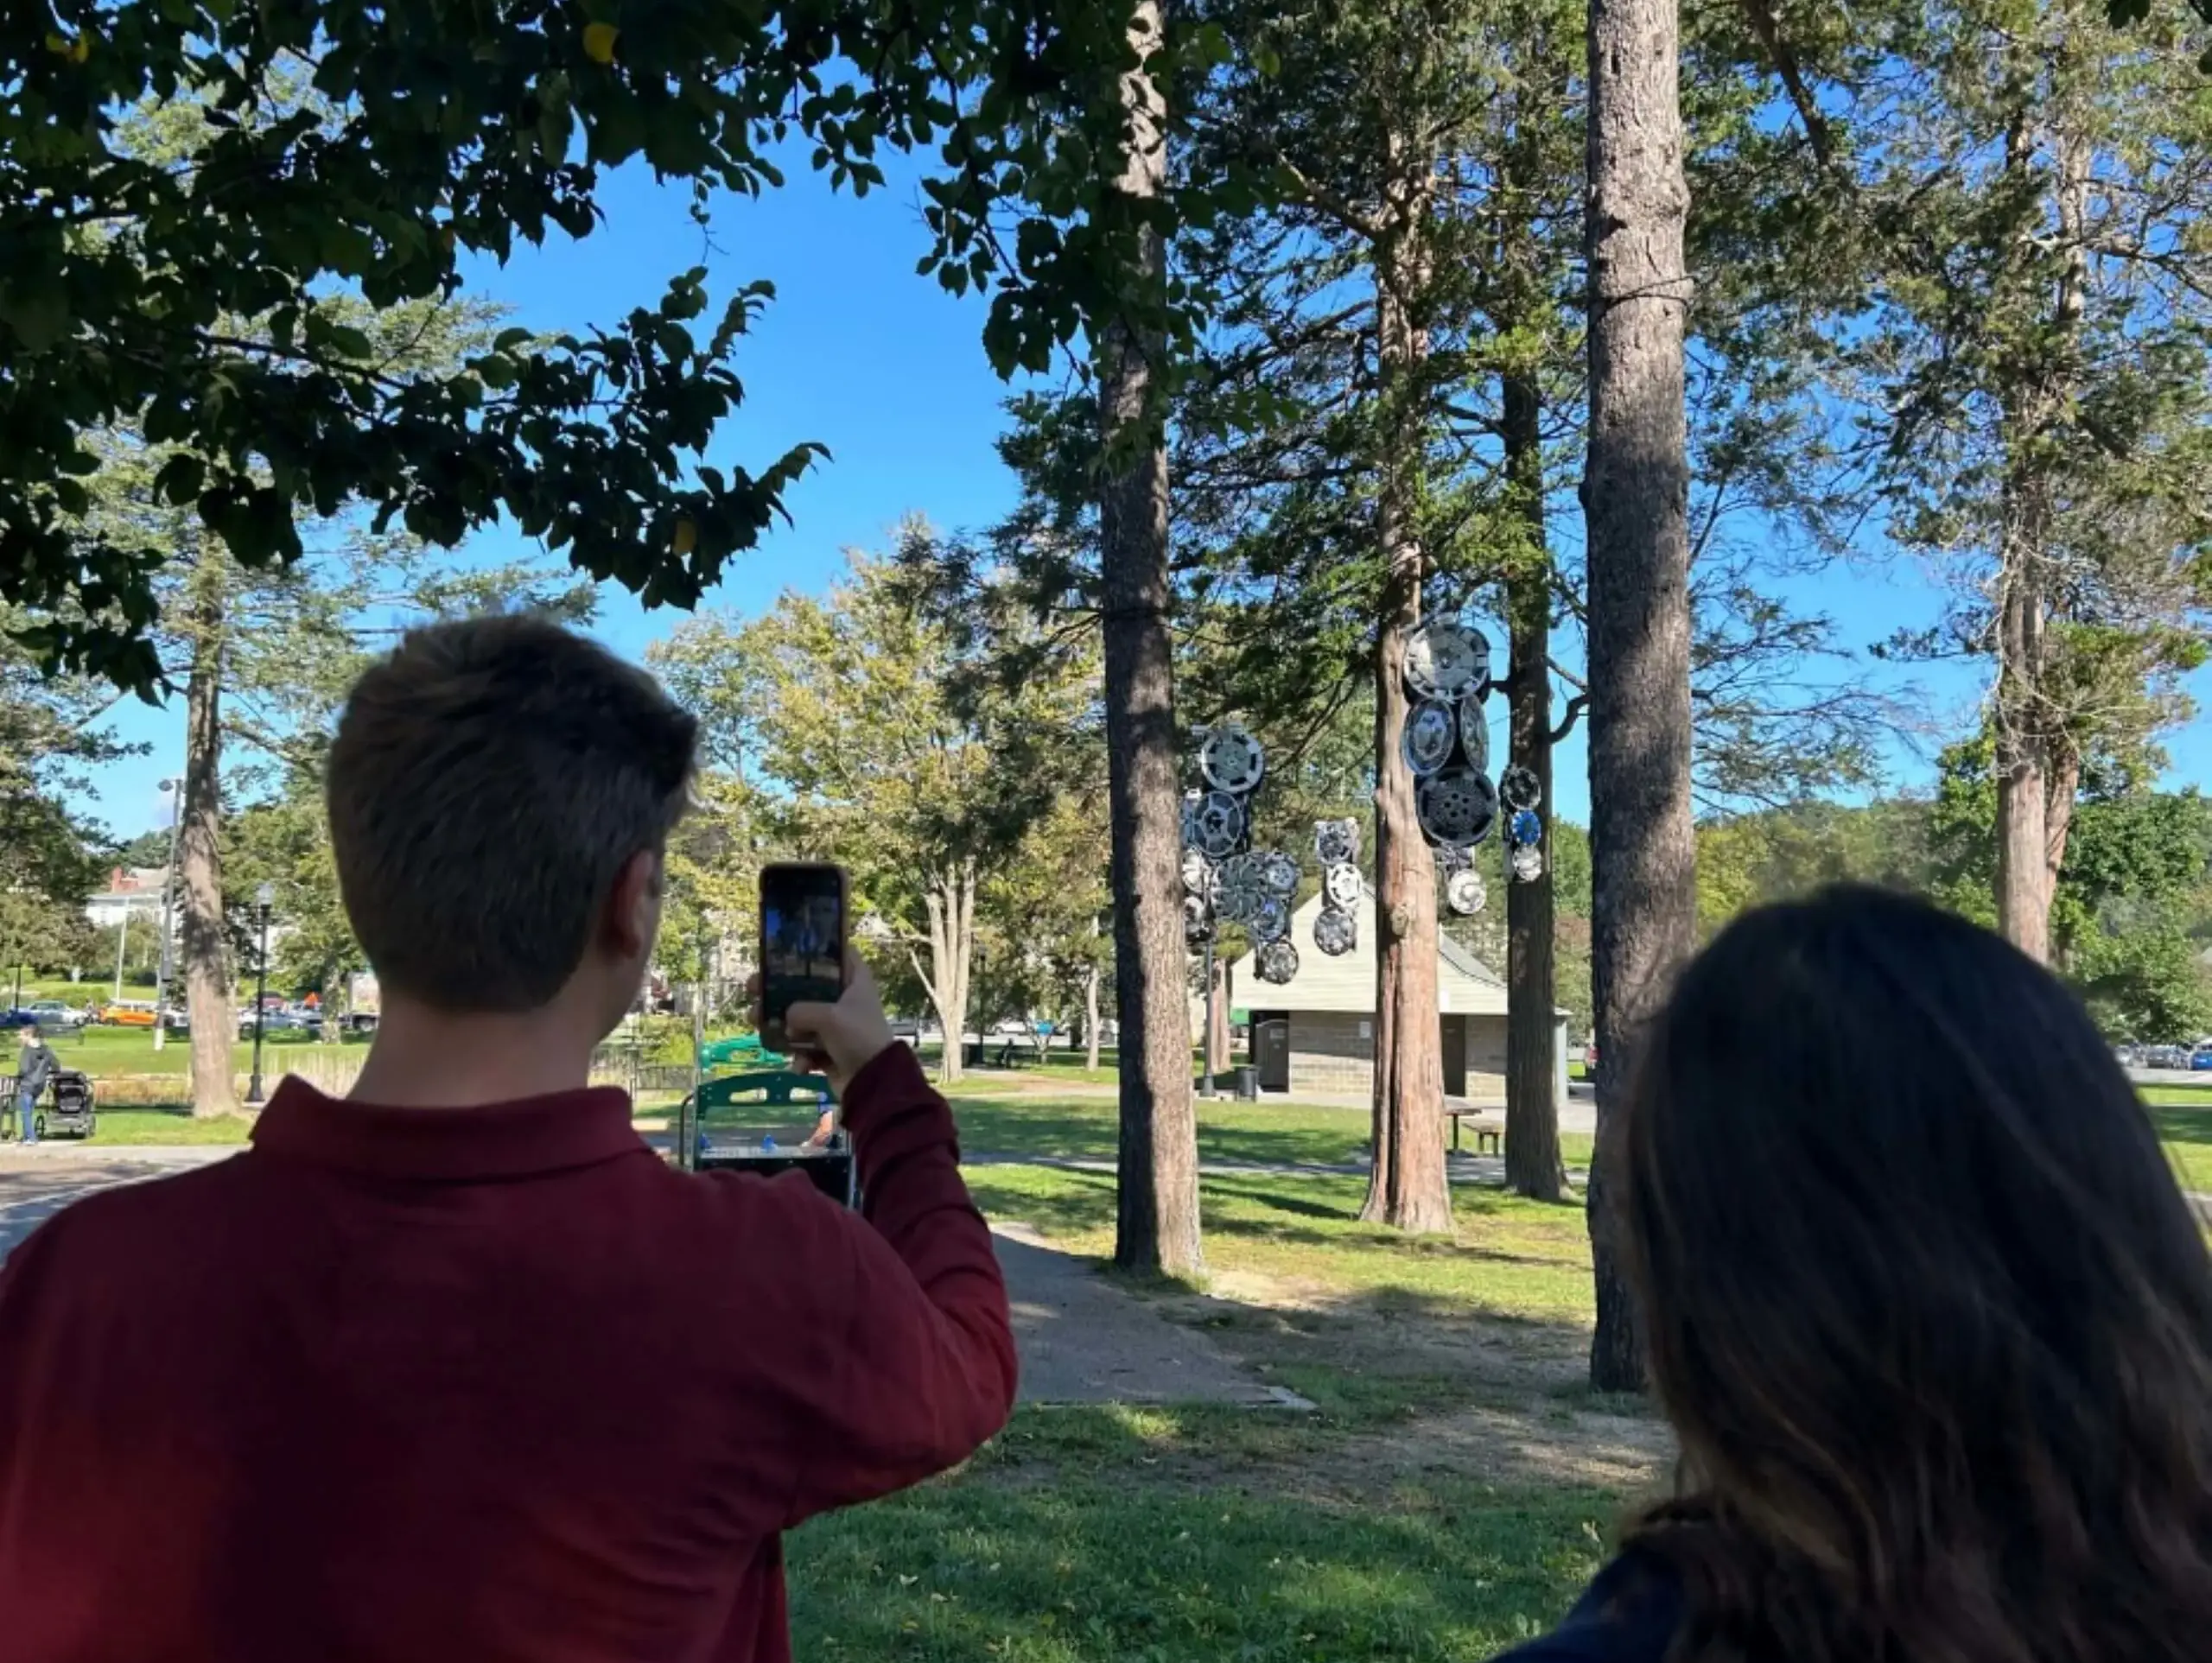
(802, 942)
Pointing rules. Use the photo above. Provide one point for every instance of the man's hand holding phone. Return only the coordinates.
(839, 1040)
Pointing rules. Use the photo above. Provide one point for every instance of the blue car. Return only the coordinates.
(2200, 1060)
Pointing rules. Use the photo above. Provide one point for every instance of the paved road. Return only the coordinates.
(1082, 1340)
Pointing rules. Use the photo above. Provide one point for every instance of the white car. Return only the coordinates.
(53, 1013)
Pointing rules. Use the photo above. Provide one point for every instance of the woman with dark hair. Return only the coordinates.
(1929, 1313)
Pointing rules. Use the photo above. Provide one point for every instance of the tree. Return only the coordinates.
(1636, 500)
(852, 710)
(315, 173)
(1156, 1227)
(2024, 366)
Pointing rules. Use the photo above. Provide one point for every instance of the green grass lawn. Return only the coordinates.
(1084, 1129)
(130, 1051)
(1507, 1257)
(1090, 1534)
(2184, 1116)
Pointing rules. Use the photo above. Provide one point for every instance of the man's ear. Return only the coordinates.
(633, 906)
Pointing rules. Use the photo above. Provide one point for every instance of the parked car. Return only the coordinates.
(2200, 1060)
(281, 1019)
(128, 1014)
(176, 1019)
(52, 1015)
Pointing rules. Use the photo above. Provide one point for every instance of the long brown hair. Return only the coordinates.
(1925, 1305)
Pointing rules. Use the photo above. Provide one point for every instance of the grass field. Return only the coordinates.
(2184, 1116)
(1093, 1534)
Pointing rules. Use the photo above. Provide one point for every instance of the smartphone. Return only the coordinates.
(803, 915)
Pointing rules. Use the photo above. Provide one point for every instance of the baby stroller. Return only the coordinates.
(71, 1113)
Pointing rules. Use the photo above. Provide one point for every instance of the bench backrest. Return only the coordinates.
(772, 1087)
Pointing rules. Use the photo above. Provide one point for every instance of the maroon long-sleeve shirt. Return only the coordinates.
(410, 1385)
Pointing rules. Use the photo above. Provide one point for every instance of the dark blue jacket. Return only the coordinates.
(1628, 1614)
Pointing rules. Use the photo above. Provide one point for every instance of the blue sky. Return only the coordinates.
(887, 371)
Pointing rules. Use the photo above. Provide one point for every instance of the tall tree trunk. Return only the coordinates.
(1533, 1166)
(2037, 769)
(949, 904)
(1217, 1016)
(199, 859)
(1091, 1019)
(1636, 500)
(1156, 1227)
(1409, 1186)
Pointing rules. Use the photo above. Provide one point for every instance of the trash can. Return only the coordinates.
(1248, 1084)
(976, 1055)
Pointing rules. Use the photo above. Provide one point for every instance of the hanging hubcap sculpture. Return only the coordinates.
(1518, 788)
(1458, 806)
(1464, 892)
(1430, 734)
(1231, 759)
(1277, 963)
(1445, 659)
(1217, 827)
(1343, 886)
(1336, 932)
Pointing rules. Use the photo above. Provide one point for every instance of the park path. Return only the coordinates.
(1081, 1339)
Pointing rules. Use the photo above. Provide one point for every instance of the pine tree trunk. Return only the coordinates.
(1157, 1223)
(1635, 499)
(1408, 1187)
(200, 861)
(1533, 1166)
(2035, 767)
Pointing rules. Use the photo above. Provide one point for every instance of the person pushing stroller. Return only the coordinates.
(34, 1067)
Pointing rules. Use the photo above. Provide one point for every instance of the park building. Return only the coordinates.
(1313, 1037)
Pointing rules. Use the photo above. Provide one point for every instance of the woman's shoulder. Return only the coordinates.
(1627, 1614)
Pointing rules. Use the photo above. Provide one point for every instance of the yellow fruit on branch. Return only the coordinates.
(687, 535)
(599, 43)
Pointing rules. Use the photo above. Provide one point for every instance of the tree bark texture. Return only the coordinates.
(1408, 1187)
(2037, 770)
(1533, 1166)
(200, 861)
(1156, 1227)
(1636, 500)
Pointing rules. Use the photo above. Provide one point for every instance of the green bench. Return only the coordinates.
(775, 1089)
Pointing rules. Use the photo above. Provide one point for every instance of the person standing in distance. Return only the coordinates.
(34, 1066)
(457, 1367)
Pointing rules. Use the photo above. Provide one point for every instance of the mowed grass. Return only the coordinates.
(1085, 1128)
(1505, 1256)
(99, 1051)
(1090, 1534)
(2183, 1117)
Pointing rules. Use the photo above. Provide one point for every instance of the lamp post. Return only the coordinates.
(263, 898)
(175, 790)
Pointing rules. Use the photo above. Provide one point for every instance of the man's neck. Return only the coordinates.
(422, 1058)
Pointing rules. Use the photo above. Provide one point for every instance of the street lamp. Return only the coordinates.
(173, 789)
(263, 897)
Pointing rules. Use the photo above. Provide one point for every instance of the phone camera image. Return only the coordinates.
(802, 938)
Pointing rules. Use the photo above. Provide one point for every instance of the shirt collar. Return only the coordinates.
(496, 1141)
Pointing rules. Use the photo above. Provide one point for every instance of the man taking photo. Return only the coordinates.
(457, 1368)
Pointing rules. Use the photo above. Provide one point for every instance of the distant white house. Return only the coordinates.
(133, 892)
(1316, 1032)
